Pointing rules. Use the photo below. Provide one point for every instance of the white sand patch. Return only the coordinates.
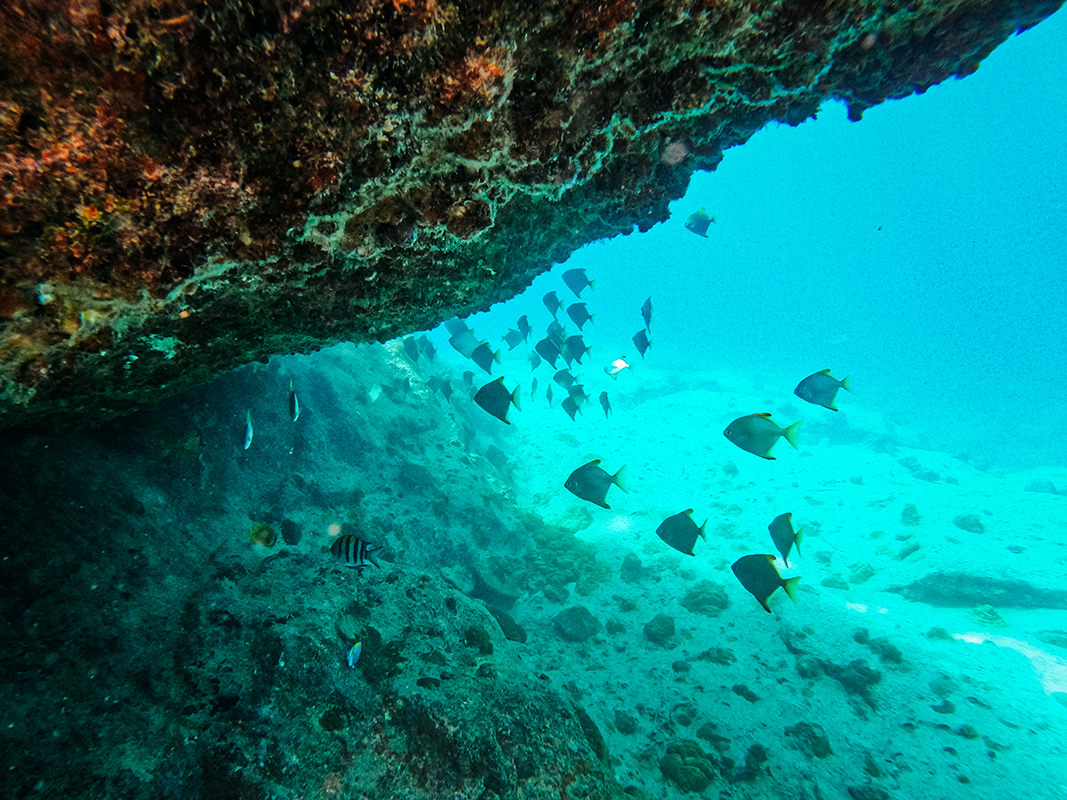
(949, 719)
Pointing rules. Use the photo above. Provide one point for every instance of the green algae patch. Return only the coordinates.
(688, 766)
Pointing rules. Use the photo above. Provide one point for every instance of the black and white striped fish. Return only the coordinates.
(354, 552)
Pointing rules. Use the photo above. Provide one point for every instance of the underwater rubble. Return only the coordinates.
(174, 625)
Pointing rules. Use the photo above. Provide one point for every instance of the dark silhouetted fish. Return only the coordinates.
(820, 388)
(698, 223)
(484, 356)
(533, 389)
(524, 327)
(441, 385)
(642, 342)
(294, 403)
(757, 434)
(468, 380)
(354, 552)
(646, 314)
(784, 536)
(680, 532)
(579, 314)
(615, 367)
(411, 348)
(574, 349)
(495, 399)
(548, 395)
(564, 379)
(557, 333)
(605, 404)
(427, 347)
(591, 483)
(465, 343)
(535, 360)
(552, 303)
(761, 578)
(513, 339)
(576, 281)
(548, 350)
(456, 327)
(577, 393)
(570, 405)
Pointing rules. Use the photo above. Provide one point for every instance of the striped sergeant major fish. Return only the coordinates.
(354, 552)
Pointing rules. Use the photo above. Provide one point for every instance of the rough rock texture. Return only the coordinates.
(150, 651)
(961, 590)
(191, 186)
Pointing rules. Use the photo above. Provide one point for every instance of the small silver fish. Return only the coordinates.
(616, 366)
(294, 403)
(248, 428)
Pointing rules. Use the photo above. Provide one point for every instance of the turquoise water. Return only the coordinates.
(922, 250)
(519, 641)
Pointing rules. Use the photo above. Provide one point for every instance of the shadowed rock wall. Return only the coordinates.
(189, 186)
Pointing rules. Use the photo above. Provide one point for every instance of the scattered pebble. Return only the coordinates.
(659, 629)
(969, 522)
(861, 573)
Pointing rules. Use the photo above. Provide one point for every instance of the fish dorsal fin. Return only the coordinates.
(824, 371)
(763, 414)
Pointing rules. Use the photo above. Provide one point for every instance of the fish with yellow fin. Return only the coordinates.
(757, 434)
(698, 223)
(759, 575)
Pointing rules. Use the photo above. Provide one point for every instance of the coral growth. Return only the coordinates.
(190, 186)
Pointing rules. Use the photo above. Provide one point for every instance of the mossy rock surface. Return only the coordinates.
(687, 766)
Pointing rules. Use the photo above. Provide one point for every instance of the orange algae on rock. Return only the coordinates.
(170, 169)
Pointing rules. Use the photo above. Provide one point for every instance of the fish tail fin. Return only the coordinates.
(790, 433)
(496, 356)
(248, 415)
(515, 398)
(620, 479)
(701, 531)
(798, 537)
(713, 220)
(790, 586)
(846, 383)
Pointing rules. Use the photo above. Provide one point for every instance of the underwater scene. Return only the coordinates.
(769, 501)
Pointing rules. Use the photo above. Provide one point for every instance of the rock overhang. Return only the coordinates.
(190, 188)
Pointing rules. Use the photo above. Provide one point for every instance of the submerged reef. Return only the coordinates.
(163, 653)
(188, 187)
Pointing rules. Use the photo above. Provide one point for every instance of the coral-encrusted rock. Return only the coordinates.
(191, 186)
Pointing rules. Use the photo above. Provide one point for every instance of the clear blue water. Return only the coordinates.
(922, 250)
